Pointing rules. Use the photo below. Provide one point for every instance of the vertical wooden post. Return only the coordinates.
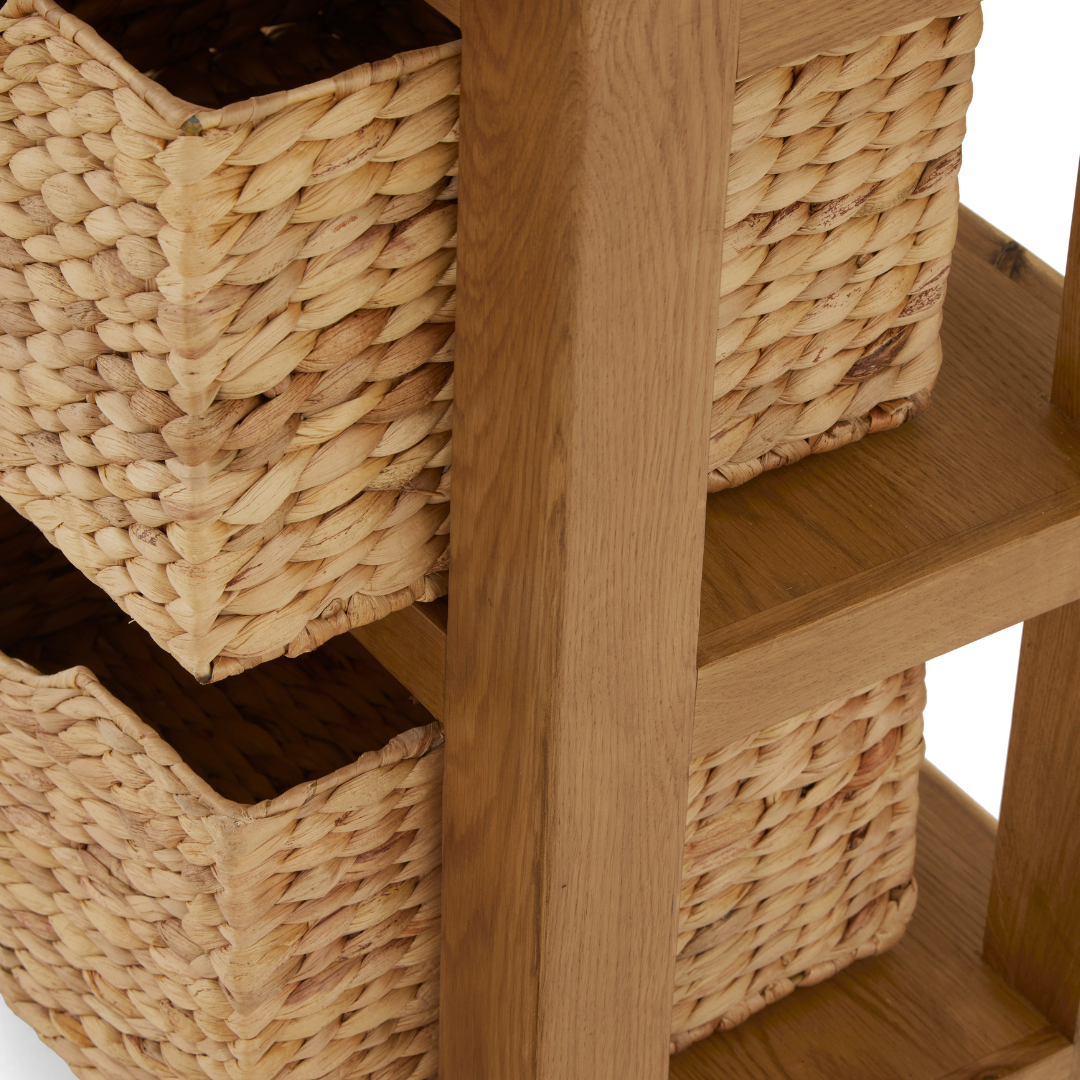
(1075, 1073)
(1033, 925)
(1065, 392)
(595, 138)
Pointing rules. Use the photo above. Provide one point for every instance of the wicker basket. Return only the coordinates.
(158, 920)
(226, 378)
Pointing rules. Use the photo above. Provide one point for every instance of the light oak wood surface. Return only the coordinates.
(778, 32)
(411, 645)
(1059, 1066)
(1039, 1056)
(450, 8)
(903, 613)
(1065, 393)
(1033, 925)
(930, 1009)
(592, 189)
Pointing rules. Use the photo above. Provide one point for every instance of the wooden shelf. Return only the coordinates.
(775, 32)
(411, 645)
(839, 570)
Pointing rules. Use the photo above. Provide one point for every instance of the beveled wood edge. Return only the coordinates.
(450, 9)
(776, 32)
(411, 645)
(1057, 1066)
(1038, 1056)
(1065, 391)
(897, 615)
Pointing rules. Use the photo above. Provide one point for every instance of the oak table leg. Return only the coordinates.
(1065, 392)
(1033, 926)
(594, 152)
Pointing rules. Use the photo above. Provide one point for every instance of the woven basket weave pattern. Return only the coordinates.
(151, 926)
(842, 213)
(232, 450)
(226, 369)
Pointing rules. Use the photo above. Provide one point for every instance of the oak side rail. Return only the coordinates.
(594, 151)
(776, 32)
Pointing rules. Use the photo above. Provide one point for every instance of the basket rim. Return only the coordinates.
(191, 119)
(308, 796)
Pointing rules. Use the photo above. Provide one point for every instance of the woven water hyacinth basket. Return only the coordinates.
(226, 369)
(246, 886)
(841, 219)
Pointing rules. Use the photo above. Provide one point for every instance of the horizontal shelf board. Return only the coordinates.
(850, 565)
(411, 645)
(930, 1009)
(989, 445)
(776, 32)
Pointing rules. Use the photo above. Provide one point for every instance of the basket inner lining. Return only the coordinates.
(251, 737)
(215, 52)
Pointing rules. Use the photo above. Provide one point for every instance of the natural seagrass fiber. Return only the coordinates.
(800, 845)
(243, 459)
(841, 218)
(226, 369)
(150, 926)
(246, 886)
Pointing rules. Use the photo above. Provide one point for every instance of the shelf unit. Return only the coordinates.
(609, 623)
(815, 580)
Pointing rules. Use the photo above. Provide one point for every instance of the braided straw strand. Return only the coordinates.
(842, 214)
(240, 364)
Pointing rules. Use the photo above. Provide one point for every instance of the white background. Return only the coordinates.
(1020, 161)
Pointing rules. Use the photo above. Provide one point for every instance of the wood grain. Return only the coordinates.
(927, 1009)
(1065, 393)
(1033, 925)
(781, 31)
(778, 32)
(844, 567)
(1064, 1065)
(983, 242)
(1038, 1056)
(592, 195)
(450, 8)
(411, 645)
(833, 643)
